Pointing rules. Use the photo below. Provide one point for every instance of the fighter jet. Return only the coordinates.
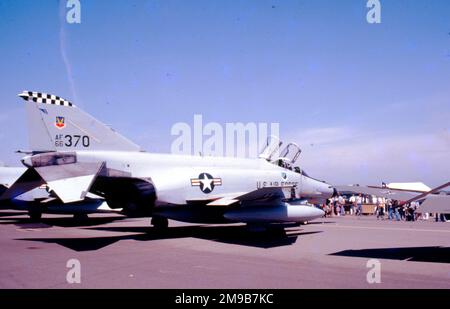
(75, 154)
(40, 200)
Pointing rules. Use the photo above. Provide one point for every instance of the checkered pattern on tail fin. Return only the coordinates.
(61, 126)
(40, 97)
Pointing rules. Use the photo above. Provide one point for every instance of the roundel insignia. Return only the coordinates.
(206, 182)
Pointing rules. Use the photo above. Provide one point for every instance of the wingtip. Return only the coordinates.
(24, 95)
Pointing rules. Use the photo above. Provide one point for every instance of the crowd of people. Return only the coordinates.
(383, 208)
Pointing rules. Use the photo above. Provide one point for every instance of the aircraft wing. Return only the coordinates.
(436, 203)
(394, 194)
(266, 193)
(431, 202)
(256, 196)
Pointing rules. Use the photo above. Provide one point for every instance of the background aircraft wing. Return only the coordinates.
(431, 202)
(26, 182)
(436, 203)
(401, 195)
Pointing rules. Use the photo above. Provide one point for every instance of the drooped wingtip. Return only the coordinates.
(24, 95)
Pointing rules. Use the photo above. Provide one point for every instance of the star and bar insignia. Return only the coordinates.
(206, 182)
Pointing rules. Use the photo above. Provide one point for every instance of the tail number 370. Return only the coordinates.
(72, 141)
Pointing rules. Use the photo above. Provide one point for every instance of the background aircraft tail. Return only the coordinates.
(56, 124)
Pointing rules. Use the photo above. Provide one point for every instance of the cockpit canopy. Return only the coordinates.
(272, 149)
(291, 152)
(285, 158)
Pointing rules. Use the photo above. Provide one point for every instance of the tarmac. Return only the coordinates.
(119, 252)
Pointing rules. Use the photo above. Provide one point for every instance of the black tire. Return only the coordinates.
(276, 231)
(160, 223)
(80, 217)
(35, 216)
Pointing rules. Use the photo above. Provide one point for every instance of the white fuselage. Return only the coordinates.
(176, 177)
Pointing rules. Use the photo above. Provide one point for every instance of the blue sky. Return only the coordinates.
(366, 102)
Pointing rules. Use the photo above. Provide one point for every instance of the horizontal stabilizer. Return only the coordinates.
(70, 182)
(72, 189)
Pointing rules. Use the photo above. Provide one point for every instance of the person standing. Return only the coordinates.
(408, 213)
(341, 201)
(328, 208)
(352, 201)
(359, 201)
(395, 208)
(333, 205)
(401, 211)
(440, 217)
(380, 206)
(390, 209)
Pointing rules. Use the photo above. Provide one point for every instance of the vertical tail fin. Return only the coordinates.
(56, 124)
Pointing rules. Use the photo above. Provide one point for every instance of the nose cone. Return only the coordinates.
(325, 189)
(27, 161)
(329, 191)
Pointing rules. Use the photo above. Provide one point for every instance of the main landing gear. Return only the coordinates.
(80, 217)
(160, 223)
(35, 215)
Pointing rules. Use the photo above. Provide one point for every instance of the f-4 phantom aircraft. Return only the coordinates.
(74, 154)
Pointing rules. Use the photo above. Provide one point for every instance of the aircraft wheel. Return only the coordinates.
(80, 217)
(276, 231)
(35, 215)
(160, 223)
